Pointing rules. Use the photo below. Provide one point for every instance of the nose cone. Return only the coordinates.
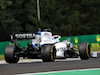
(60, 48)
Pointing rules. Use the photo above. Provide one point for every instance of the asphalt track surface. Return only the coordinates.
(36, 67)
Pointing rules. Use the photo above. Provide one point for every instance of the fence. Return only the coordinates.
(4, 44)
(94, 41)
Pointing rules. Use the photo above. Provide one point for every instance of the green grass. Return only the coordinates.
(1, 57)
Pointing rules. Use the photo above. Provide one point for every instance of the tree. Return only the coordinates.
(71, 17)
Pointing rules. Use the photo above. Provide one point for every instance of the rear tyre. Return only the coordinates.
(84, 50)
(48, 53)
(10, 54)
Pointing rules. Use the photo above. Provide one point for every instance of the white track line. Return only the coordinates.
(40, 60)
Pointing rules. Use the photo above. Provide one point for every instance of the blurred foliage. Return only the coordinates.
(71, 17)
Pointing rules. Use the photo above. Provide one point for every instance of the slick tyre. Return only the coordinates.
(84, 50)
(48, 53)
(10, 54)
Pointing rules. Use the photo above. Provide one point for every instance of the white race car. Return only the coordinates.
(44, 45)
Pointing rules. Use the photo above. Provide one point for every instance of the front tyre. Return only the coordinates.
(48, 53)
(10, 54)
(84, 50)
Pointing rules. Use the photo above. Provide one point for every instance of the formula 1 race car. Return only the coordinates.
(45, 46)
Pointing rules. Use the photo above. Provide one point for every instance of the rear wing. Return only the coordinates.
(22, 36)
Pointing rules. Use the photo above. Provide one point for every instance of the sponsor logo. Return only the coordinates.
(76, 39)
(24, 36)
(98, 38)
(95, 44)
(61, 49)
(47, 40)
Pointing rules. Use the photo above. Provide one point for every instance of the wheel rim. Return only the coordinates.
(88, 50)
(53, 53)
